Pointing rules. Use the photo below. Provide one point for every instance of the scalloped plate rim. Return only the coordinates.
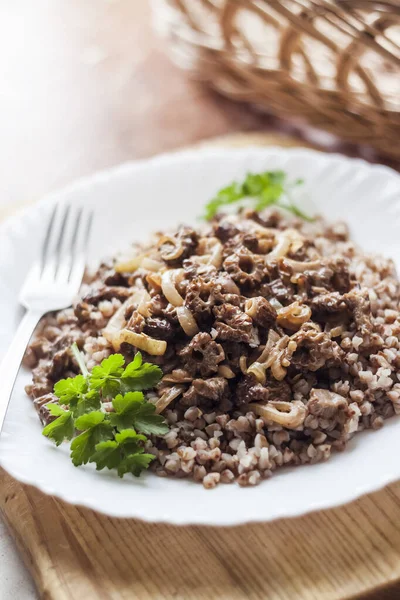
(131, 166)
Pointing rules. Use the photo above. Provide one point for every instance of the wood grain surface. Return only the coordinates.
(86, 85)
(338, 554)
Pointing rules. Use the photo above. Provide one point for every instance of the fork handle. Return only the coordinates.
(11, 363)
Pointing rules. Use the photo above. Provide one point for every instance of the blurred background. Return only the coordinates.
(87, 84)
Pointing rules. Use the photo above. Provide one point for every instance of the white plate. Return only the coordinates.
(129, 202)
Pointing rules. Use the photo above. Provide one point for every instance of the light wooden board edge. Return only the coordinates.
(73, 552)
(341, 554)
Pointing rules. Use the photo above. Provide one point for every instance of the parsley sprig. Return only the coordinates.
(112, 440)
(261, 190)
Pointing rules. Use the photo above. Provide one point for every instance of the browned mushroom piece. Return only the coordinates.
(167, 397)
(245, 268)
(175, 248)
(315, 349)
(232, 324)
(202, 355)
(199, 298)
(41, 405)
(360, 307)
(261, 311)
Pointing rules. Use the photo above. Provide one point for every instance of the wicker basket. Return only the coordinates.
(335, 63)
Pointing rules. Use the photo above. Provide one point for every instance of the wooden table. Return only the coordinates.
(85, 85)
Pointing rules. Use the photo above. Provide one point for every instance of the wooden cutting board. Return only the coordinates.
(340, 554)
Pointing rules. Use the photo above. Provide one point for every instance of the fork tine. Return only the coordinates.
(74, 239)
(66, 244)
(51, 254)
(62, 260)
(88, 231)
(81, 245)
(46, 241)
(59, 243)
(75, 234)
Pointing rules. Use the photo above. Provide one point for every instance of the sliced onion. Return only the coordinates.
(282, 246)
(187, 321)
(129, 265)
(285, 239)
(177, 248)
(298, 266)
(168, 397)
(141, 341)
(216, 256)
(277, 370)
(143, 303)
(151, 264)
(279, 346)
(117, 321)
(154, 280)
(169, 289)
(273, 338)
(258, 370)
(177, 376)
(293, 316)
(253, 227)
(250, 307)
(225, 371)
(201, 259)
(287, 414)
(243, 364)
(269, 358)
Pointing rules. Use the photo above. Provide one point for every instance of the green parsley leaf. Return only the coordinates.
(90, 420)
(125, 408)
(98, 429)
(108, 455)
(135, 464)
(137, 361)
(111, 454)
(107, 376)
(263, 189)
(87, 403)
(122, 404)
(113, 440)
(61, 428)
(139, 376)
(131, 410)
(130, 440)
(147, 421)
(71, 389)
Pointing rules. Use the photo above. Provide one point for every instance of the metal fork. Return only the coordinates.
(51, 284)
